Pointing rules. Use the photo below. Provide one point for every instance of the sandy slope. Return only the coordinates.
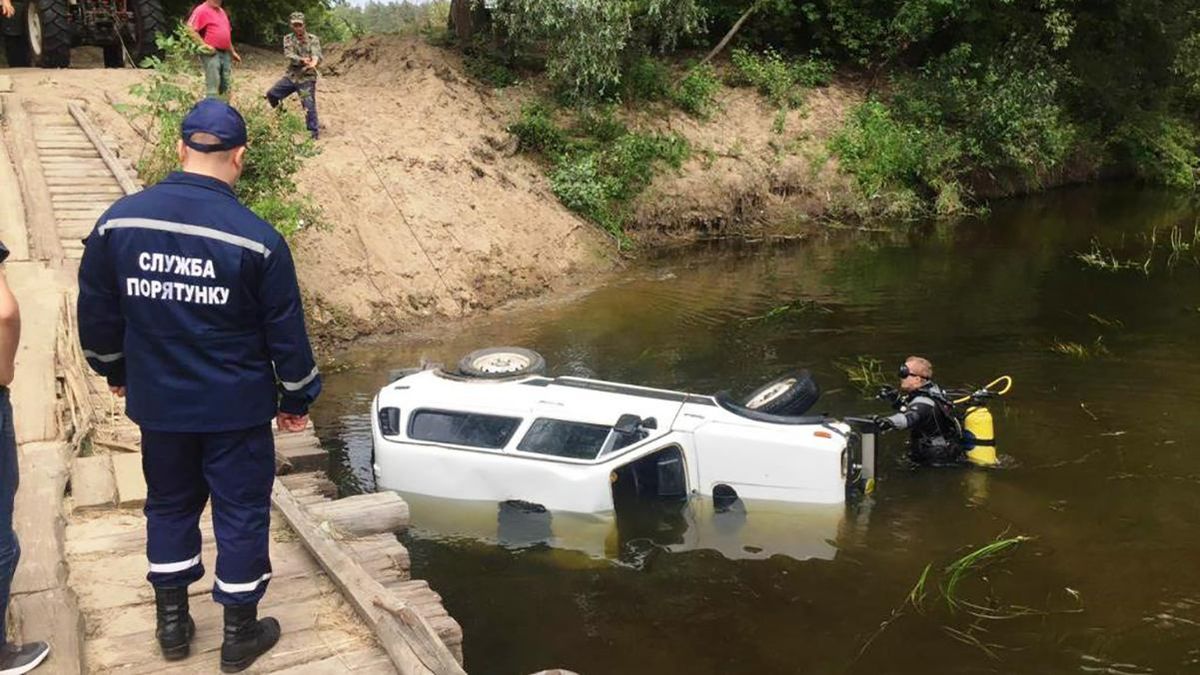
(428, 209)
(430, 212)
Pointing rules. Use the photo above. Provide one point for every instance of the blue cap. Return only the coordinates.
(216, 117)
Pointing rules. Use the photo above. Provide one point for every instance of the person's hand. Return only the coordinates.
(289, 423)
(886, 393)
(119, 391)
(237, 58)
(883, 423)
(6, 8)
(207, 50)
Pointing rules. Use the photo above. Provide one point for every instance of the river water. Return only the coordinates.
(1101, 467)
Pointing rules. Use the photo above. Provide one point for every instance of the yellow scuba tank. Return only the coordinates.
(979, 431)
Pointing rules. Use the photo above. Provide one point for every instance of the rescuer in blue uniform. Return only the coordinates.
(188, 303)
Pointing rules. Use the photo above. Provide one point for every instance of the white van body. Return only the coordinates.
(494, 441)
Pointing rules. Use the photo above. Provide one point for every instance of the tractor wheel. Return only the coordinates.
(48, 26)
(16, 51)
(149, 21)
(113, 58)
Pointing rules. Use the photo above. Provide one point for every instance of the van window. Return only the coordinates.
(459, 428)
(575, 440)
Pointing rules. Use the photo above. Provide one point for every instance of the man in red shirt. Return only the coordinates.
(209, 25)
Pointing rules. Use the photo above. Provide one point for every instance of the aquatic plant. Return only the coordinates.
(1078, 350)
(962, 569)
(949, 588)
(865, 373)
(789, 309)
(1100, 258)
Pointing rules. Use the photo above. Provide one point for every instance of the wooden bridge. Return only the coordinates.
(341, 587)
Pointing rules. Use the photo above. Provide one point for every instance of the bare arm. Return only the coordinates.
(6, 8)
(10, 331)
(199, 40)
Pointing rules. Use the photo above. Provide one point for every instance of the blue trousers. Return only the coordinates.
(235, 468)
(308, 98)
(10, 548)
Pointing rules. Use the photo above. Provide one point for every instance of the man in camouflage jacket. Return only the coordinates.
(303, 53)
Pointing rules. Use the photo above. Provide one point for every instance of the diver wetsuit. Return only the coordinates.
(935, 433)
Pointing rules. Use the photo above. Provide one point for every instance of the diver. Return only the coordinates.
(924, 409)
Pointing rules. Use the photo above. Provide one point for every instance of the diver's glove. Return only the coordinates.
(882, 423)
(888, 394)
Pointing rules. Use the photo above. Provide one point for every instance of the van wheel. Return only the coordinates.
(500, 362)
(791, 394)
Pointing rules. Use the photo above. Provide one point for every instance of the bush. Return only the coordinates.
(537, 131)
(602, 166)
(898, 167)
(647, 79)
(278, 141)
(780, 80)
(696, 90)
(599, 184)
(1161, 149)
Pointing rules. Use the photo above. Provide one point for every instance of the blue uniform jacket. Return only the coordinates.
(190, 301)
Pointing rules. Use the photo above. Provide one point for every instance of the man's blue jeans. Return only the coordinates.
(308, 98)
(10, 549)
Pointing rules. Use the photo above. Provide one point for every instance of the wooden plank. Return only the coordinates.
(33, 391)
(308, 458)
(37, 517)
(79, 212)
(77, 172)
(410, 641)
(63, 144)
(43, 240)
(51, 616)
(12, 209)
(92, 483)
(73, 153)
(81, 181)
(131, 483)
(98, 192)
(110, 158)
(366, 514)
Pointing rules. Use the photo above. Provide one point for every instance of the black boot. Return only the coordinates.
(246, 637)
(175, 625)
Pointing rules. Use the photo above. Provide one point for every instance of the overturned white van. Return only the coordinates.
(496, 431)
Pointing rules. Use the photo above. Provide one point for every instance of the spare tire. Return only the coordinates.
(496, 363)
(790, 394)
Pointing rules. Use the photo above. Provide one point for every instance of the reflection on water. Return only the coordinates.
(739, 530)
(1103, 471)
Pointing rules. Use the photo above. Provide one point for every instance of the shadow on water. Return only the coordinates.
(1103, 473)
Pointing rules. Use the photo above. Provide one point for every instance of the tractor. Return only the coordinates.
(42, 32)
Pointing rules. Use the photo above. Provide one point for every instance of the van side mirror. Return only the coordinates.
(628, 424)
(649, 423)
